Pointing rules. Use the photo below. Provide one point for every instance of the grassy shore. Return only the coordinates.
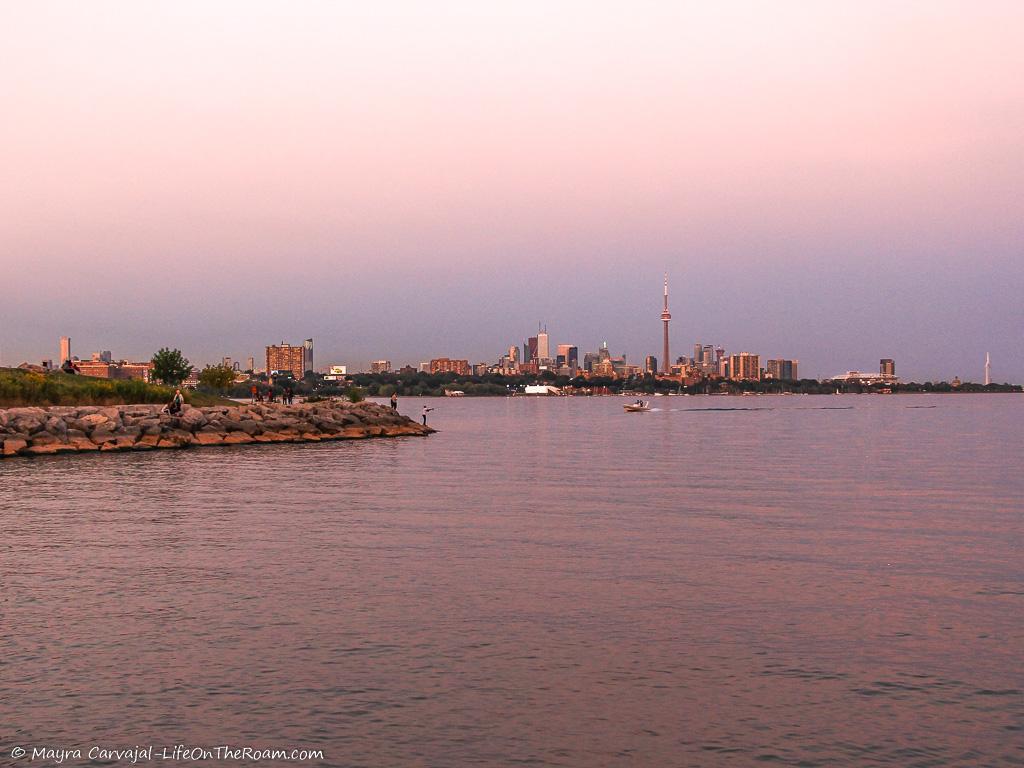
(26, 388)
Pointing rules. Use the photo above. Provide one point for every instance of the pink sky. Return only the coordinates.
(424, 179)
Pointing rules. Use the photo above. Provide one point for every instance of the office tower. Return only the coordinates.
(251, 364)
(226, 362)
(285, 357)
(65, 349)
(380, 366)
(744, 367)
(707, 357)
(308, 346)
(698, 354)
(719, 355)
(568, 355)
(543, 347)
(513, 354)
(887, 367)
(531, 349)
(988, 370)
(650, 364)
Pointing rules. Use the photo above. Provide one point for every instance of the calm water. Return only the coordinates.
(813, 581)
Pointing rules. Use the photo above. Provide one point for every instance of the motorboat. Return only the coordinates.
(638, 407)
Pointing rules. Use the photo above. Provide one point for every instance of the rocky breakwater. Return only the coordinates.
(43, 431)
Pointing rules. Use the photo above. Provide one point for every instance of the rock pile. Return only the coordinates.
(35, 431)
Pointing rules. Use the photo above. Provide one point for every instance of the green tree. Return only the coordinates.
(170, 367)
(355, 395)
(218, 377)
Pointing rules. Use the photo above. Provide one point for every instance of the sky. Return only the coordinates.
(835, 182)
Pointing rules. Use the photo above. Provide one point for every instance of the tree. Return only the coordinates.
(170, 367)
(218, 377)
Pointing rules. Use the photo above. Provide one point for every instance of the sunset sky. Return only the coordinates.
(833, 182)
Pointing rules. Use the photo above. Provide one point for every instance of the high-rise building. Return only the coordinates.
(988, 369)
(543, 347)
(308, 346)
(887, 367)
(569, 355)
(251, 364)
(698, 354)
(380, 366)
(650, 364)
(286, 357)
(783, 370)
(447, 365)
(531, 349)
(744, 367)
(65, 349)
(226, 362)
(103, 357)
(665, 317)
(513, 355)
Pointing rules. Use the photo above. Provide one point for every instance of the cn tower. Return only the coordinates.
(666, 366)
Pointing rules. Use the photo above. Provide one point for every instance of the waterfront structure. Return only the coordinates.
(745, 367)
(380, 366)
(665, 317)
(447, 365)
(65, 349)
(286, 357)
(988, 369)
(784, 370)
(887, 367)
(863, 377)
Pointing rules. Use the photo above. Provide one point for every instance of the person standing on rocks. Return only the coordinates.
(174, 407)
(254, 390)
(394, 401)
(425, 412)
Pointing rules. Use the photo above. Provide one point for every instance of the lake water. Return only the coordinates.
(727, 581)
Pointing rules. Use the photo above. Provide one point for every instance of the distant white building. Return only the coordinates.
(542, 389)
(862, 377)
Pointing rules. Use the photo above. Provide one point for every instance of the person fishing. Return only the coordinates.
(425, 412)
(394, 401)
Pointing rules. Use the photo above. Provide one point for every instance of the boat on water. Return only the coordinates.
(638, 407)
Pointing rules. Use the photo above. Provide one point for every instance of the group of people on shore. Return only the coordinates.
(257, 395)
(394, 407)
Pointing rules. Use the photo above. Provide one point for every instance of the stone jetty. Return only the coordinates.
(85, 429)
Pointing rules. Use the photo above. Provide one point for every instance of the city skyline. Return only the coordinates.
(832, 182)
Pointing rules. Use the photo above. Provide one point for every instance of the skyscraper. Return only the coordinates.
(988, 370)
(665, 317)
(543, 347)
(308, 346)
(569, 355)
(65, 349)
(887, 367)
(531, 349)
